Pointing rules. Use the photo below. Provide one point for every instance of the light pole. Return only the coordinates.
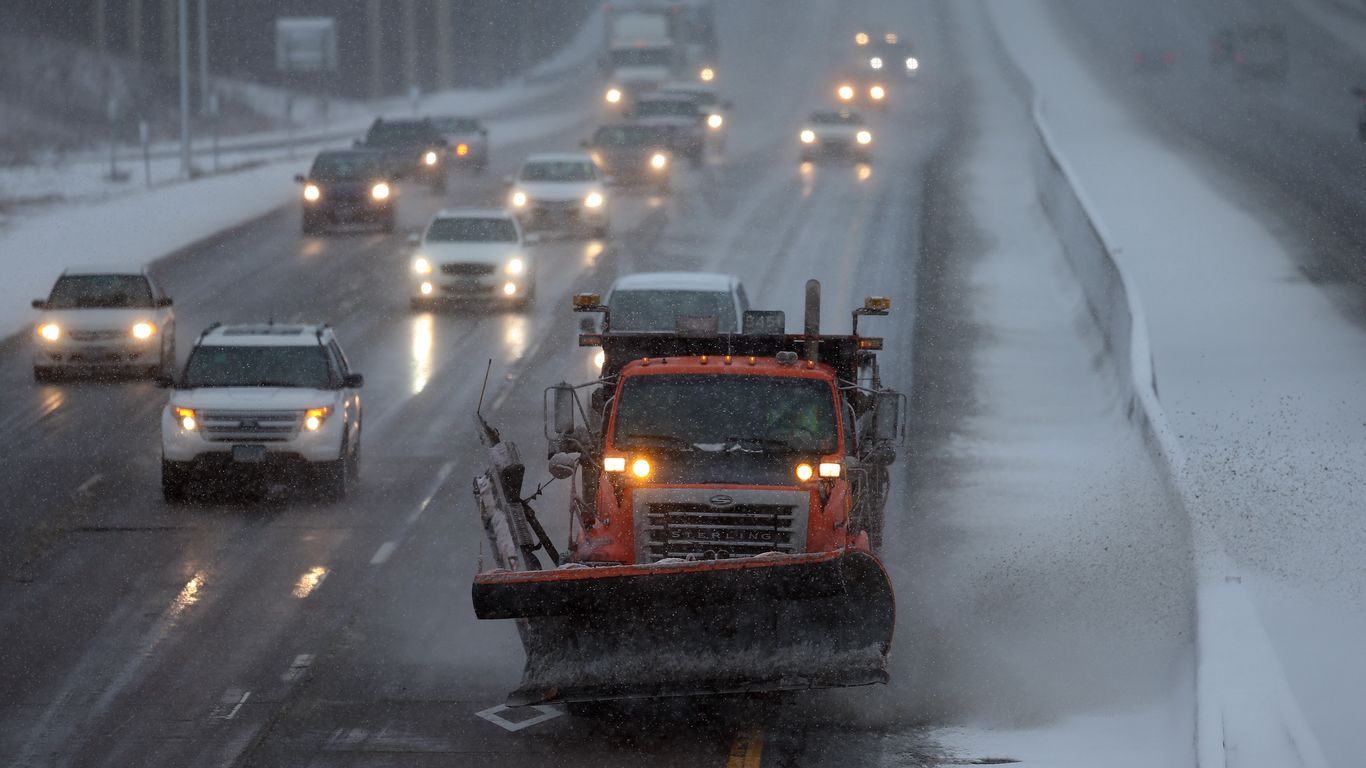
(204, 56)
(183, 35)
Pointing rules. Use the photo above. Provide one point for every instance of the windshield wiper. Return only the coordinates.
(672, 440)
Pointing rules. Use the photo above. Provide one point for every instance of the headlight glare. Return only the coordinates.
(144, 330)
(877, 93)
(808, 136)
(186, 418)
(422, 266)
(613, 95)
(845, 92)
(640, 468)
(593, 200)
(715, 120)
(875, 62)
(707, 74)
(380, 191)
(912, 63)
(614, 464)
(805, 472)
(50, 331)
(518, 199)
(515, 267)
(311, 192)
(659, 160)
(830, 469)
(429, 158)
(314, 417)
(864, 137)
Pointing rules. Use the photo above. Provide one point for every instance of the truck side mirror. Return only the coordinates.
(353, 381)
(887, 416)
(164, 301)
(563, 408)
(562, 465)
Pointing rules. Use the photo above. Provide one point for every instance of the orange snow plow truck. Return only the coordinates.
(726, 507)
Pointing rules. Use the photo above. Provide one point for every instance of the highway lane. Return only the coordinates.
(287, 632)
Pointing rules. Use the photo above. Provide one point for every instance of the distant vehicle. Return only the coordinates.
(633, 154)
(103, 319)
(681, 116)
(835, 133)
(886, 54)
(867, 89)
(467, 139)
(347, 186)
(1255, 51)
(643, 49)
(560, 191)
(277, 399)
(411, 149)
(653, 301)
(1153, 59)
(473, 253)
(708, 100)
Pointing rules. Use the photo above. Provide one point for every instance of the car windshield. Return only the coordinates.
(469, 229)
(702, 98)
(456, 124)
(400, 133)
(837, 118)
(251, 366)
(726, 412)
(630, 136)
(642, 57)
(558, 170)
(101, 292)
(666, 108)
(342, 166)
(644, 310)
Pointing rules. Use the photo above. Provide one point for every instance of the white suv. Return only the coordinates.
(473, 253)
(561, 191)
(273, 397)
(101, 319)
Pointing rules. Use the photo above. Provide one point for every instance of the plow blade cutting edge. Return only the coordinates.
(767, 623)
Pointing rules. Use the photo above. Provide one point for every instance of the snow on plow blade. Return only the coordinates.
(781, 622)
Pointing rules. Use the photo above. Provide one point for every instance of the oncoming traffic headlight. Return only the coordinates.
(314, 418)
(614, 464)
(518, 199)
(380, 191)
(462, 149)
(429, 158)
(514, 267)
(144, 330)
(877, 93)
(659, 160)
(422, 266)
(845, 92)
(707, 74)
(808, 136)
(311, 192)
(593, 200)
(715, 120)
(613, 95)
(50, 331)
(875, 62)
(640, 468)
(864, 137)
(186, 419)
(805, 472)
(829, 469)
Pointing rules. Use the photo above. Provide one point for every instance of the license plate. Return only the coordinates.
(248, 454)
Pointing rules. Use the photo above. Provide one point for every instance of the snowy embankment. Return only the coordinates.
(128, 223)
(1248, 356)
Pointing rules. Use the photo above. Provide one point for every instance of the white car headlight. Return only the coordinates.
(514, 267)
(380, 191)
(808, 136)
(613, 95)
(518, 199)
(659, 160)
(877, 93)
(715, 120)
(50, 331)
(912, 63)
(144, 330)
(422, 266)
(429, 158)
(593, 200)
(864, 137)
(845, 92)
(875, 62)
(311, 192)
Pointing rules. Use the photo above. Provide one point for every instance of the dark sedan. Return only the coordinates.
(347, 186)
(633, 154)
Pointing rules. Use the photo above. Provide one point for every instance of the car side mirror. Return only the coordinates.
(164, 301)
(353, 381)
(299, 178)
(40, 303)
(162, 381)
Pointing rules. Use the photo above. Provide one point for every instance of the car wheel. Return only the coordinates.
(334, 477)
(175, 481)
(354, 459)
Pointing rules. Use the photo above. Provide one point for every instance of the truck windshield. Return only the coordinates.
(659, 310)
(234, 366)
(715, 412)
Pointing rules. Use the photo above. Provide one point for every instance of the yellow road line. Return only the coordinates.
(747, 749)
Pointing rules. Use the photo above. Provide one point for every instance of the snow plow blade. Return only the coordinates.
(767, 623)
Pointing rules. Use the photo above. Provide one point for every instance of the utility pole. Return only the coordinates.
(183, 36)
(135, 29)
(445, 44)
(168, 34)
(409, 44)
(374, 32)
(100, 32)
(204, 57)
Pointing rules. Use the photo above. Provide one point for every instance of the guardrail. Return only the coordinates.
(1245, 713)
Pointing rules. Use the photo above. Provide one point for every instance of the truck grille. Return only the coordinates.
(250, 426)
(467, 269)
(104, 335)
(698, 522)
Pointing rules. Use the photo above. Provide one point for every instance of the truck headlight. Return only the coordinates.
(912, 63)
(426, 289)
(314, 417)
(380, 191)
(864, 137)
(429, 158)
(707, 74)
(613, 95)
(422, 266)
(875, 62)
(593, 200)
(509, 289)
(805, 472)
(715, 120)
(186, 418)
(845, 92)
(877, 93)
(614, 464)
(658, 160)
(50, 331)
(144, 330)
(514, 267)
(808, 136)
(640, 468)
(830, 469)
(518, 199)
(311, 192)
